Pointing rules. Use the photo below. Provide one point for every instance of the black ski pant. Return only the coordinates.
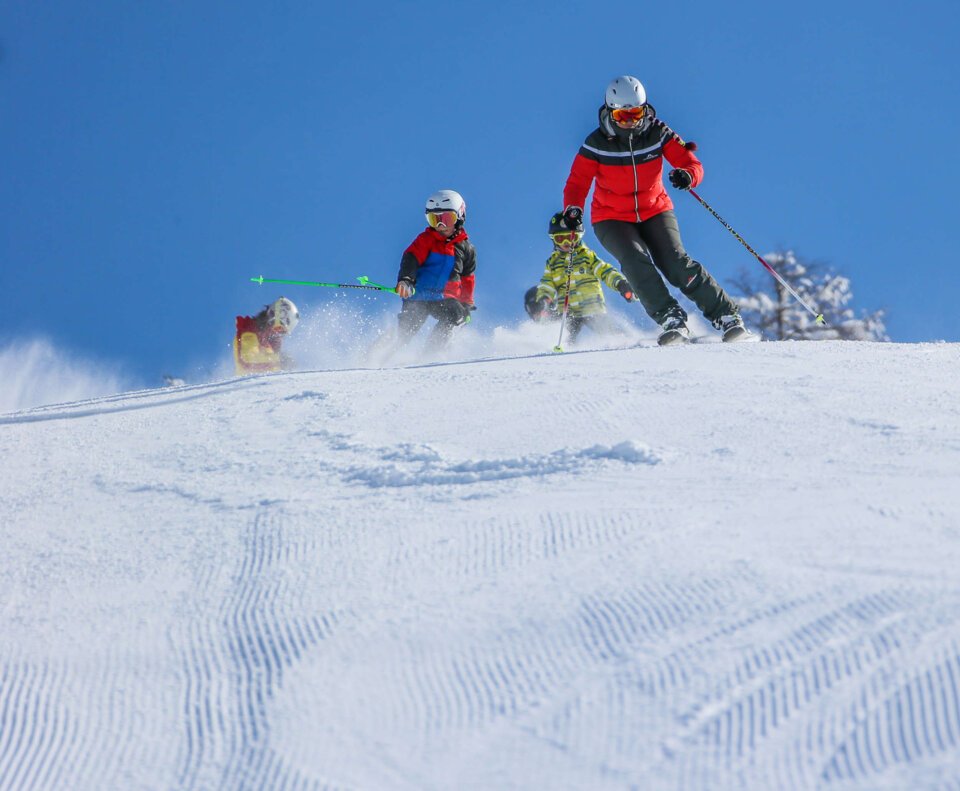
(413, 315)
(646, 250)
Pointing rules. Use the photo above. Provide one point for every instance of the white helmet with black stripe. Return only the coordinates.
(625, 91)
(282, 316)
(447, 200)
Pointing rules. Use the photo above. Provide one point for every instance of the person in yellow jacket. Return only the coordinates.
(587, 307)
(258, 344)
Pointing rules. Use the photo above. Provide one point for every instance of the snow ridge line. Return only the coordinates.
(22, 719)
(41, 744)
(770, 699)
(105, 405)
(421, 466)
(236, 663)
(919, 720)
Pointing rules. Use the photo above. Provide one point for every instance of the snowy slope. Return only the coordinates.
(707, 567)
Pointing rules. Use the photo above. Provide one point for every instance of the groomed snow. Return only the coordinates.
(710, 567)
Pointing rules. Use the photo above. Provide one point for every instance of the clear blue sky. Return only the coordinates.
(155, 155)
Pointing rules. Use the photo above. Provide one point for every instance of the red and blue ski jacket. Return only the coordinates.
(439, 267)
(627, 166)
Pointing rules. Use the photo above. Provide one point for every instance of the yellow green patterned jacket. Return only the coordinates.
(586, 294)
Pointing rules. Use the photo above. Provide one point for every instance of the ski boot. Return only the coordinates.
(732, 328)
(674, 328)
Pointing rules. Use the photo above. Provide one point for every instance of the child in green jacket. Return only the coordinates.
(586, 307)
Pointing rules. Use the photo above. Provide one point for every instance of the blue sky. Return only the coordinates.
(156, 155)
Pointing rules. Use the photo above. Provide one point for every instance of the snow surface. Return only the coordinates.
(707, 567)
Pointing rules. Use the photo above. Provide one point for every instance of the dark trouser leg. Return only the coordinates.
(625, 243)
(410, 320)
(574, 325)
(662, 236)
(448, 314)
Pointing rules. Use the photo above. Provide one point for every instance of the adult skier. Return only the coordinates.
(632, 215)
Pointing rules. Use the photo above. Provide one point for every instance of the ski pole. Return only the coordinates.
(566, 300)
(770, 269)
(364, 283)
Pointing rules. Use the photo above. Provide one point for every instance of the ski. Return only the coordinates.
(736, 334)
(672, 338)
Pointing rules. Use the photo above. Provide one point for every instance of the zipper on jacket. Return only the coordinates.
(636, 183)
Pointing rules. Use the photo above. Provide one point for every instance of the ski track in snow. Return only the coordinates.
(334, 580)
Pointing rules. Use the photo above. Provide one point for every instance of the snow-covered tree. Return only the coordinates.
(768, 307)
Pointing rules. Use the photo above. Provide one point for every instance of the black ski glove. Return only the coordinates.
(573, 218)
(457, 313)
(681, 179)
(625, 289)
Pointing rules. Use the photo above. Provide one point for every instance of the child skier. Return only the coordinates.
(257, 346)
(436, 277)
(586, 307)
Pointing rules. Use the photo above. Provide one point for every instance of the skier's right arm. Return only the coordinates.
(408, 268)
(411, 261)
(546, 288)
(582, 173)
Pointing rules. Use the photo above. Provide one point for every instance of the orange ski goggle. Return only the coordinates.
(628, 115)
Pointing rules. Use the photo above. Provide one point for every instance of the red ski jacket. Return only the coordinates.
(255, 349)
(440, 267)
(628, 167)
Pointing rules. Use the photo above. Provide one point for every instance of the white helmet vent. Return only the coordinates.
(625, 91)
(447, 200)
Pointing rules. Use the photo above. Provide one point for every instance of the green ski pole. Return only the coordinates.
(365, 282)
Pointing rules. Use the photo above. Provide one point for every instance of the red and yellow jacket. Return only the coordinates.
(628, 168)
(440, 267)
(256, 350)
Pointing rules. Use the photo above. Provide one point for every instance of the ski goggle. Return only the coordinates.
(563, 238)
(279, 320)
(442, 219)
(628, 115)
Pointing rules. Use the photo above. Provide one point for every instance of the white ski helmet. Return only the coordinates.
(282, 316)
(447, 200)
(625, 91)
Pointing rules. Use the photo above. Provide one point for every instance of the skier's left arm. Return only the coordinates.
(681, 156)
(468, 275)
(608, 273)
(612, 276)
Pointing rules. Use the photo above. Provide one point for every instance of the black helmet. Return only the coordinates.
(559, 225)
(530, 302)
